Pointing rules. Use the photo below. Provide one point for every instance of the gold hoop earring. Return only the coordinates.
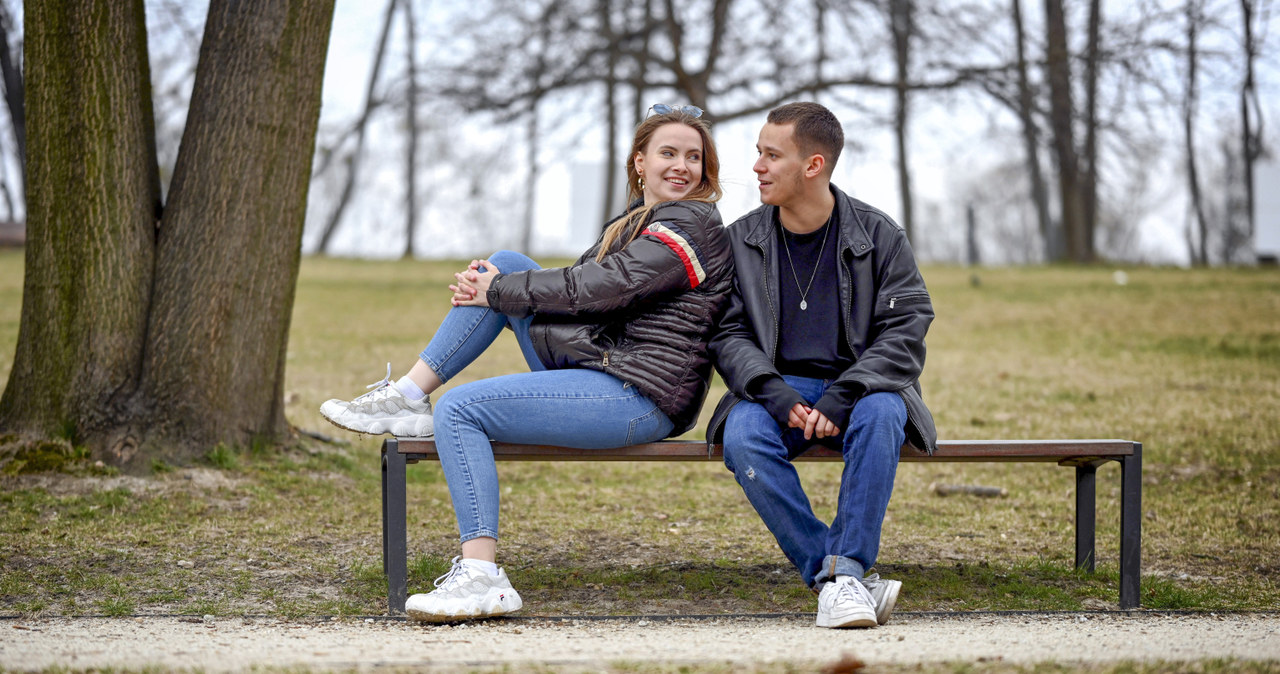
(640, 182)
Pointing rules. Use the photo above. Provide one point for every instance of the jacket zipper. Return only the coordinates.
(605, 362)
(912, 298)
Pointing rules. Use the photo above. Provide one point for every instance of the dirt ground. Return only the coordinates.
(568, 644)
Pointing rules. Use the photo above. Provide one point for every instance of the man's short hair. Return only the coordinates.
(816, 129)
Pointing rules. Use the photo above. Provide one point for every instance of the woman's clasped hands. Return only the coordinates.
(473, 284)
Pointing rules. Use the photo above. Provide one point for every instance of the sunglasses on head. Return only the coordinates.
(664, 109)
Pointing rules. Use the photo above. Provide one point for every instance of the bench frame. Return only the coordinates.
(1083, 455)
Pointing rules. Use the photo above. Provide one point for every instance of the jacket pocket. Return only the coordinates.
(900, 300)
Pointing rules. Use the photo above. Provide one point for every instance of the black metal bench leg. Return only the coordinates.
(1086, 515)
(395, 546)
(1131, 528)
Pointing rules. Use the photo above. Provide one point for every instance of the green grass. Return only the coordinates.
(1185, 361)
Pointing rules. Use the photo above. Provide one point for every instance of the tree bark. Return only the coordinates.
(531, 184)
(411, 122)
(1031, 144)
(92, 209)
(1060, 114)
(147, 338)
(1250, 140)
(13, 91)
(900, 21)
(362, 125)
(1089, 194)
(1190, 102)
(607, 202)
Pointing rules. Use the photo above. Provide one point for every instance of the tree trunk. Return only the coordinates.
(610, 110)
(900, 18)
(411, 120)
(92, 209)
(1060, 114)
(146, 338)
(531, 184)
(1031, 144)
(642, 65)
(1093, 58)
(362, 126)
(1200, 252)
(13, 90)
(1251, 143)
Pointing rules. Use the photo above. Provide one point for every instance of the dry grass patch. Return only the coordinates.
(1188, 362)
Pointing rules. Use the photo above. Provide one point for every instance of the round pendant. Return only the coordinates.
(803, 305)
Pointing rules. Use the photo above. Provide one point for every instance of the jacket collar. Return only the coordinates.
(853, 231)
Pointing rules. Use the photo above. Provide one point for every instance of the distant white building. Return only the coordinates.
(1266, 209)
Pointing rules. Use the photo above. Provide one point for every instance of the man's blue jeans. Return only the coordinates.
(760, 453)
(568, 408)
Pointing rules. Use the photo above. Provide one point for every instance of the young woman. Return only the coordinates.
(616, 345)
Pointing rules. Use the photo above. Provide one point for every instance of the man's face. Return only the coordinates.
(780, 166)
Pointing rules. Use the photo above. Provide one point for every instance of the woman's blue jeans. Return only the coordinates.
(569, 407)
(759, 453)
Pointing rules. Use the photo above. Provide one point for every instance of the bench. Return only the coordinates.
(1083, 455)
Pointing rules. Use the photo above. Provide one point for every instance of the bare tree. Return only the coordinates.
(412, 128)
(1198, 236)
(612, 56)
(1089, 176)
(901, 27)
(353, 159)
(1058, 66)
(14, 94)
(1250, 132)
(1031, 141)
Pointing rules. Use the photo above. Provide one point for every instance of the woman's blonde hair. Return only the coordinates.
(627, 227)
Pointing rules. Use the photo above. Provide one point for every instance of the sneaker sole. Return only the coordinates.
(884, 610)
(379, 428)
(853, 620)
(514, 600)
(421, 617)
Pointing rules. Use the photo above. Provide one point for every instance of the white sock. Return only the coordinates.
(409, 389)
(481, 565)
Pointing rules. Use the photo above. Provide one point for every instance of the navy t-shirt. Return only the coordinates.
(811, 342)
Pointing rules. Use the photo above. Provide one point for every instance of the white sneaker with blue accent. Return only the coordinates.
(382, 410)
(465, 593)
(845, 602)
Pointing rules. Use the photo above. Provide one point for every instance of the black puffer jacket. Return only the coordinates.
(886, 312)
(644, 314)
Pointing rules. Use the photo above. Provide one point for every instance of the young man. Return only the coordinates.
(822, 343)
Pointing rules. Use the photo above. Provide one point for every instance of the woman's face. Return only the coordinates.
(671, 165)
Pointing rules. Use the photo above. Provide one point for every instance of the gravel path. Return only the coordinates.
(235, 644)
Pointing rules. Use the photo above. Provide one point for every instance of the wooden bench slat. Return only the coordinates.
(693, 450)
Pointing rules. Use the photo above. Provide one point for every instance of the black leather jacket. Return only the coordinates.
(644, 314)
(886, 312)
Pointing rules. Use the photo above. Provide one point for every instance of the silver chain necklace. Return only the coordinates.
(804, 292)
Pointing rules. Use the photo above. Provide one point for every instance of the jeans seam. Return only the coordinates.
(631, 429)
(473, 503)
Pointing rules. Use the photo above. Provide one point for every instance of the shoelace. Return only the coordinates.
(453, 571)
(848, 588)
(377, 386)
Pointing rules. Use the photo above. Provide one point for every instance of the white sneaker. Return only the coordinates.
(465, 593)
(885, 594)
(382, 410)
(844, 602)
